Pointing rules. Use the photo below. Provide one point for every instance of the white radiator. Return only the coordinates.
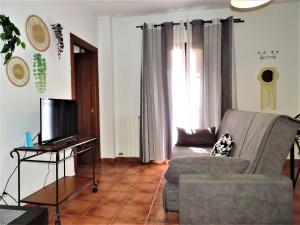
(129, 137)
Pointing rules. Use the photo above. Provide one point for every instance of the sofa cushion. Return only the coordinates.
(196, 137)
(268, 143)
(183, 152)
(237, 124)
(235, 199)
(204, 165)
(262, 138)
(170, 196)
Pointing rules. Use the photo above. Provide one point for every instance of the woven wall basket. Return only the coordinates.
(17, 71)
(37, 33)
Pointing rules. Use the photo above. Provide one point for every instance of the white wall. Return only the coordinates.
(106, 87)
(20, 106)
(275, 27)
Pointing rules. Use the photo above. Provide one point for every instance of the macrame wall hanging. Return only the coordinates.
(268, 77)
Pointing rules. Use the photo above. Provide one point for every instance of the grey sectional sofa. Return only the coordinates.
(245, 188)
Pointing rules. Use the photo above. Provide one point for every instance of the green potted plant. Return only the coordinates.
(10, 35)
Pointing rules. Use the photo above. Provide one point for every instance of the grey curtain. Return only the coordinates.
(155, 104)
(166, 52)
(214, 45)
(206, 42)
(144, 110)
(228, 100)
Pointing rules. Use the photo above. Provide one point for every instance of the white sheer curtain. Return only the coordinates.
(210, 82)
(196, 63)
(180, 98)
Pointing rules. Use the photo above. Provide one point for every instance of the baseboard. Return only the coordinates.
(108, 160)
(120, 160)
(127, 159)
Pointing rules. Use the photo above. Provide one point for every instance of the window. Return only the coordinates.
(186, 88)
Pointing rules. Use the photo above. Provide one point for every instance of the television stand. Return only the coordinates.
(62, 188)
(71, 140)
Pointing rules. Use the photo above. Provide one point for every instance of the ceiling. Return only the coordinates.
(142, 7)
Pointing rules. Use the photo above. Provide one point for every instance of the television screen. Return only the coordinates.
(58, 119)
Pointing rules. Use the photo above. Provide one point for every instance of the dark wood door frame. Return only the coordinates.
(93, 51)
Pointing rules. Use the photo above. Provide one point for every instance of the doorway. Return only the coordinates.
(85, 90)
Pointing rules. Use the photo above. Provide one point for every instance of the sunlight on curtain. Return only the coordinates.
(179, 89)
(194, 89)
(186, 88)
(196, 78)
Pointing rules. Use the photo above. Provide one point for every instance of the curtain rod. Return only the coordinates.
(239, 20)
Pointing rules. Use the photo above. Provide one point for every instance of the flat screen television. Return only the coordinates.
(58, 119)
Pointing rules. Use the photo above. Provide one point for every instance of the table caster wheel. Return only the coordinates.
(95, 189)
(57, 222)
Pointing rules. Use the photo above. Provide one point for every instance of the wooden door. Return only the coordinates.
(84, 98)
(85, 89)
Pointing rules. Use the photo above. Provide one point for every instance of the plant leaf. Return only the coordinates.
(18, 41)
(16, 30)
(7, 57)
(6, 36)
(7, 29)
(5, 48)
(2, 17)
(2, 36)
(12, 46)
(10, 37)
(13, 40)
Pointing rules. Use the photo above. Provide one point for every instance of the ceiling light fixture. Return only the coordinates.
(248, 4)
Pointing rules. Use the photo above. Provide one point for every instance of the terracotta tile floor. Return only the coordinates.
(129, 194)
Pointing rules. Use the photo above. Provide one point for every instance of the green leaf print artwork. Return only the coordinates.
(39, 72)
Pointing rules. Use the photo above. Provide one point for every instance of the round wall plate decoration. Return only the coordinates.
(17, 71)
(37, 33)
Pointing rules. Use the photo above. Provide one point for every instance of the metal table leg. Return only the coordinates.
(64, 163)
(19, 175)
(57, 222)
(95, 182)
(292, 165)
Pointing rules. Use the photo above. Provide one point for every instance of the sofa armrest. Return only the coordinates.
(235, 199)
(204, 165)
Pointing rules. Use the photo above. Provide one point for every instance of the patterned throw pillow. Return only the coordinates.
(223, 146)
